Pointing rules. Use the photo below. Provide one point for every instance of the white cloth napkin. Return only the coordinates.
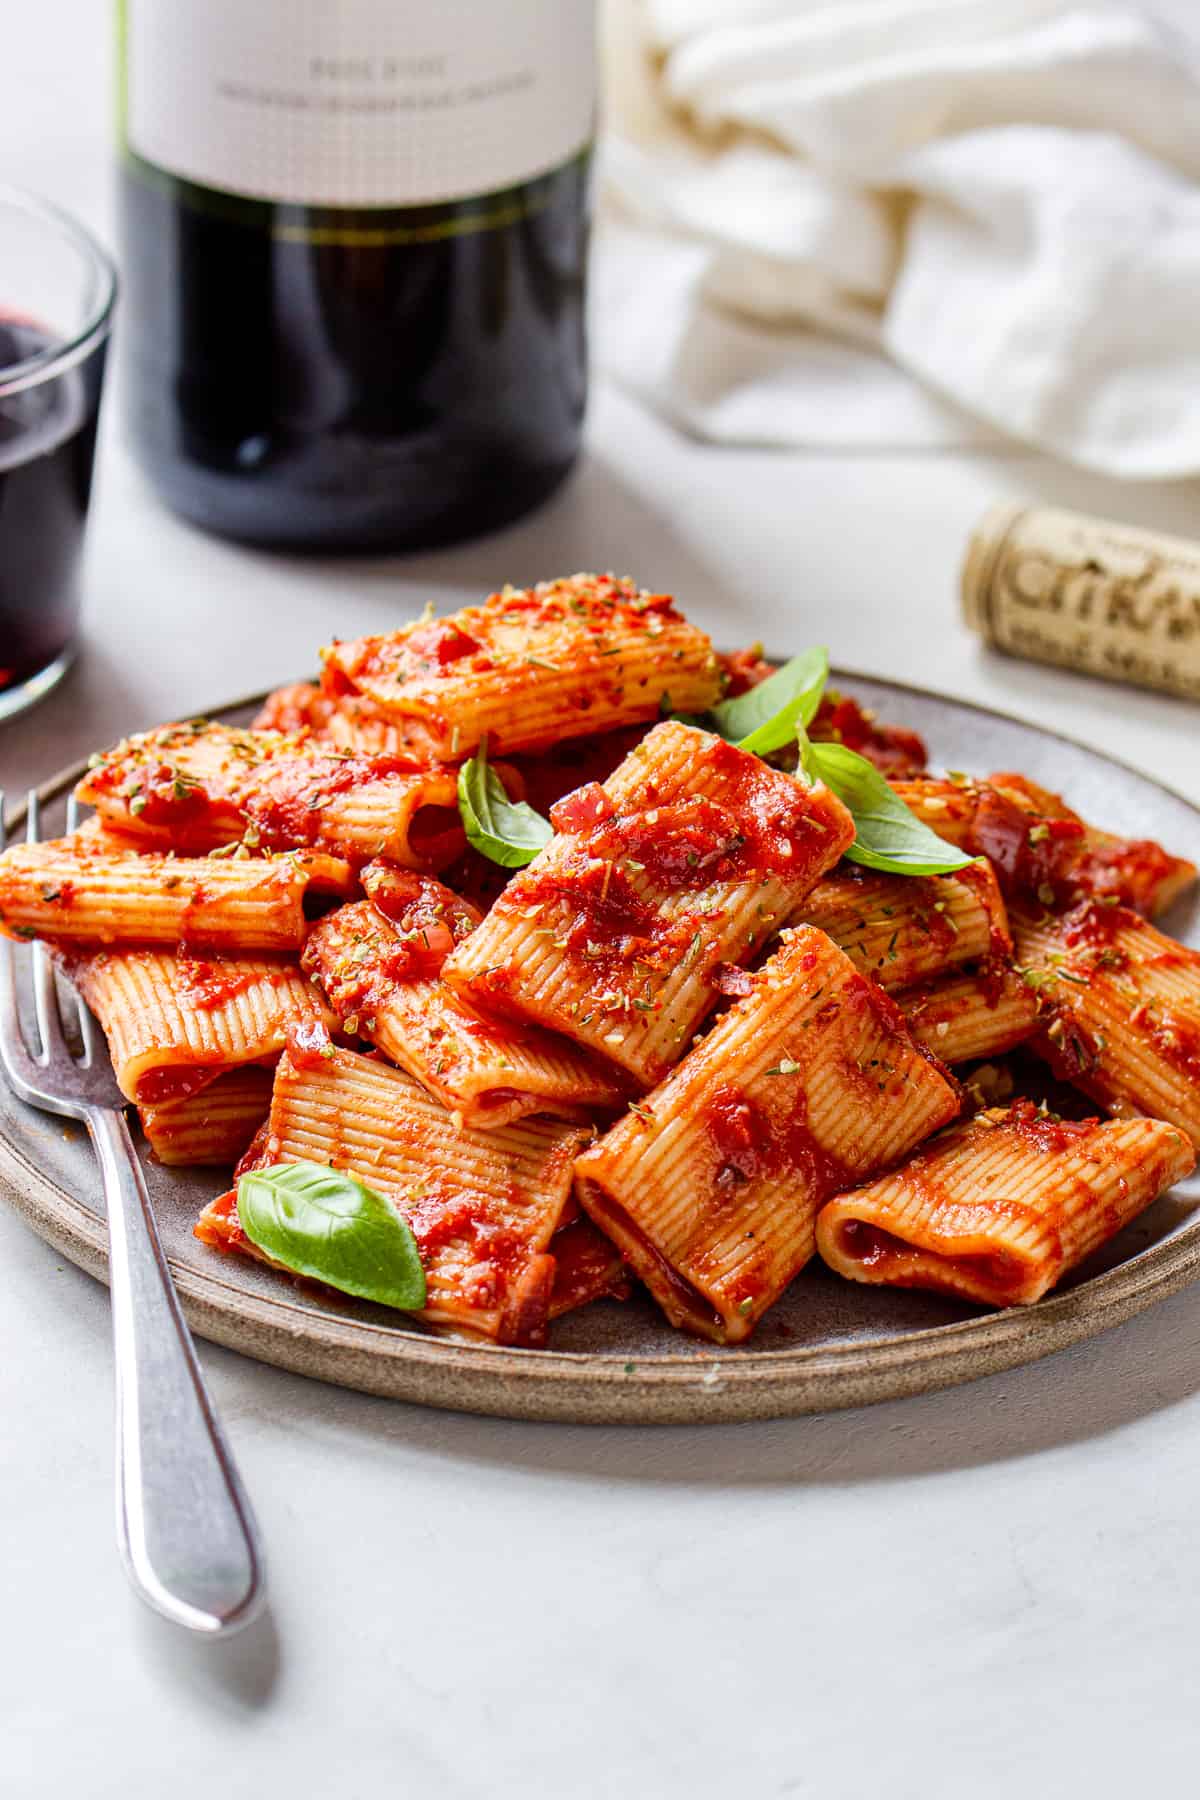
(906, 223)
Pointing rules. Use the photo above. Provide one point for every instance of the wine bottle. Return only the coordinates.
(354, 238)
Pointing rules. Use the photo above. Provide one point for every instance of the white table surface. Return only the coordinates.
(956, 1595)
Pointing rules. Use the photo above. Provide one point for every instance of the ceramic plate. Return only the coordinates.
(827, 1343)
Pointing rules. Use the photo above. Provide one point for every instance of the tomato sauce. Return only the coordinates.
(439, 643)
(1031, 856)
(154, 793)
(1044, 1131)
(309, 1045)
(419, 904)
(753, 1143)
(173, 1083)
(1134, 870)
(290, 794)
(894, 751)
(1092, 925)
(208, 984)
(587, 806)
(609, 923)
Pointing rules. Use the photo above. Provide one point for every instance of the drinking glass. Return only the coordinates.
(57, 289)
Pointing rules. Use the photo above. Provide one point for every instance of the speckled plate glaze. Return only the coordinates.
(827, 1343)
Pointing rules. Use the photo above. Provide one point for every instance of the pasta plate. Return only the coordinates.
(828, 1343)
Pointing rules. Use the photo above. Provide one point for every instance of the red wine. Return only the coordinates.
(354, 247)
(47, 444)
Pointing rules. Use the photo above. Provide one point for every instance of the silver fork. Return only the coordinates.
(185, 1527)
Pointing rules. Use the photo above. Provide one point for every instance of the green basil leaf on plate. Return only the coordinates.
(765, 717)
(325, 1224)
(888, 836)
(506, 831)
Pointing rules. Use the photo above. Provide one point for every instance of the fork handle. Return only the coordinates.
(185, 1527)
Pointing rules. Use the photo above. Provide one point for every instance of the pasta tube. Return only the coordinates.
(80, 889)
(687, 858)
(383, 980)
(175, 1023)
(201, 787)
(970, 1014)
(482, 1205)
(1121, 1009)
(533, 666)
(998, 1209)
(212, 1126)
(711, 1185)
(1044, 853)
(901, 929)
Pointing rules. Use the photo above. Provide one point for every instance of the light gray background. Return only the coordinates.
(987, 1591)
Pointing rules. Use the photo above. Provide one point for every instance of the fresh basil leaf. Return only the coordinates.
(325, 1224)
(765, 717)
(888, 835)
(505, 831)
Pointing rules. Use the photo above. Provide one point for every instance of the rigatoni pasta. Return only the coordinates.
(1043, 852)
(998, 1209)
(1121, 1009)
(202, 786)
(688, 857)
(483, 1206)
(711, 1185)
(902, 929)
(632, 835)
(533, 666)
(214, 1125)
(174, 1022)
(82, 891)
(970, 1014)
(384, 983)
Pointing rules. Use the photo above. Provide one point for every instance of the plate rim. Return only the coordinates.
(700, 1383)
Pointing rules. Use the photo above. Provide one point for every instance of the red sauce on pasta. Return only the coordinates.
(1093, 926)
(497, 1250)
(739, 1136)
(608, 924)
(260, 1153)
(579, 811)
(439, 643)
(751, 1142)
(894, 751)
(1034, 856)
(764, 824)
(154, 793)
(978, 877)
(587, 1267)
(687, 846)
(291, 795)
(309, 1045)
(173, 1083)
(1046, 1131)
(428, 918)
(219, 1226)
(1176, 1039)
(210, 984)
(1134, 870)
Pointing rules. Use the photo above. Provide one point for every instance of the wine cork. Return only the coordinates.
(1088, 594)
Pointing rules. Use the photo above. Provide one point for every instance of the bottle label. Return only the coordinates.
(387, 103)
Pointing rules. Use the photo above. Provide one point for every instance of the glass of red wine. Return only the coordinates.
(57, 289)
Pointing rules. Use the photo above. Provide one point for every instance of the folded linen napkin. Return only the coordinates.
(906, 222)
